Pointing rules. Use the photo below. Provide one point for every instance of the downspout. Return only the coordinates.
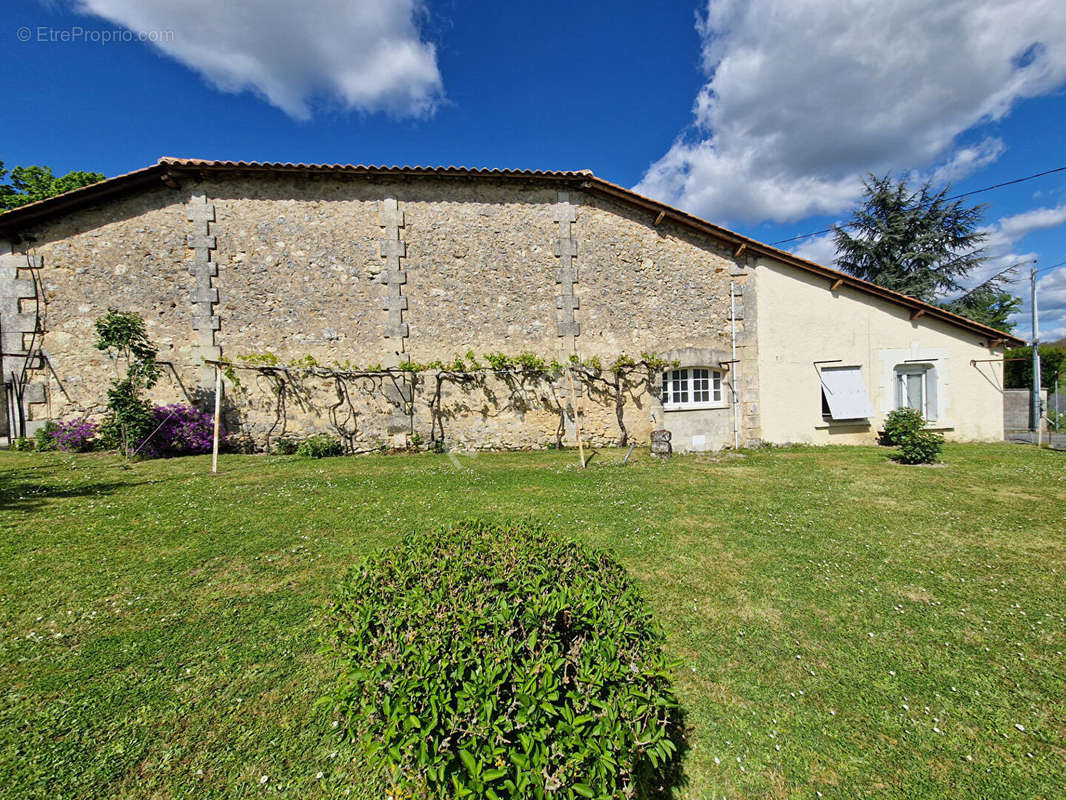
(734, 367)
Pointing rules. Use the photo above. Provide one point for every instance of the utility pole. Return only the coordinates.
(1034, 400)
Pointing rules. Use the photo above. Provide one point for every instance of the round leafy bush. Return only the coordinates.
(285, 446)
(498, 661)
(900, 424)
(321, 445)
(920, 447)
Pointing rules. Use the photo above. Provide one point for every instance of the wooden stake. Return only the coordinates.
(218, 404)
(577, 423)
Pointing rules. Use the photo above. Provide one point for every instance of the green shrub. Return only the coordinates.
(321, 445)
(920, 447)
(497, 661)
(899, 424)
(285, 446)
(22, 444)
(44, 438)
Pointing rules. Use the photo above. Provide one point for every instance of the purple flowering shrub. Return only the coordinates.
(74, 436)
(179, 430)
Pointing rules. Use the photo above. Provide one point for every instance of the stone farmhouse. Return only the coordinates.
(329, 281)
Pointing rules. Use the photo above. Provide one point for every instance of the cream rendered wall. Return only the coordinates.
(801, 321)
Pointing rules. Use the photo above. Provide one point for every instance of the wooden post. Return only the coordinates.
(577, 423)
(218, 404)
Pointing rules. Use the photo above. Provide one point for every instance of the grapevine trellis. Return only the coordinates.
(623, 380)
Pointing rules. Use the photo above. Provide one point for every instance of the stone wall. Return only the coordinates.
(377, 271)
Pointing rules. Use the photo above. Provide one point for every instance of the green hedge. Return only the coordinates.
(321, 445)
(498, 661)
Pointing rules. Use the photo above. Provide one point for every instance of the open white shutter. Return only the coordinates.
(846, 393)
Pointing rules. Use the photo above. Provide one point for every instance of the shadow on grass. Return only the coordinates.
(27, 493)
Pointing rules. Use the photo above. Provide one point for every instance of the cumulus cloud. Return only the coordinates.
(368, 54)
(803, 97)
(1001, 247)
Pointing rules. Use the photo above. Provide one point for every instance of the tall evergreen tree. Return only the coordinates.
(915, 241)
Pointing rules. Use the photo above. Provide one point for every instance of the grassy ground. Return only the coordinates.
(843, 624)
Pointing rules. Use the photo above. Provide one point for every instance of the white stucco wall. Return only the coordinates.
(801, 321)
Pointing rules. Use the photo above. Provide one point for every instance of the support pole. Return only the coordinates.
(218, 406)
(734, 366)
(1034, 400)
(577, 421)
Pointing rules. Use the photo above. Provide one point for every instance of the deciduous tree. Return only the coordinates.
(32, 183)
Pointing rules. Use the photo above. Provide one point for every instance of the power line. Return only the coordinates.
(1012, 182)
(1053, 266)
(1008, 183)
(989, 280)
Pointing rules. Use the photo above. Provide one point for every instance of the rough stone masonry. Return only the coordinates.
(377, 270)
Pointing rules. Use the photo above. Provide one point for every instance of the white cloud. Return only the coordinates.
(803, 97)
(1020, 225)
(1001, 249)
(1051, 297)
(819, 249)
(1001, 242)
(368, 54)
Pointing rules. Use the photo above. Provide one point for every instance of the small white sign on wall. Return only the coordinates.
(699, 442)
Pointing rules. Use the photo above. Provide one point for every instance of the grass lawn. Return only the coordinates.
(842, 624)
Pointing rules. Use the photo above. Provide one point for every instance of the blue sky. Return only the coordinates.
(762, 115)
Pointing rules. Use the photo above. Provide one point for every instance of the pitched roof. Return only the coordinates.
(167, 170)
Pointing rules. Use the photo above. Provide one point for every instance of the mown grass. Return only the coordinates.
(842, 624)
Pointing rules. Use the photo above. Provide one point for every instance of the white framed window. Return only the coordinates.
(692, 387)
(844, 395)
(916, 387)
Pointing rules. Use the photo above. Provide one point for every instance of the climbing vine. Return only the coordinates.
(626, 378)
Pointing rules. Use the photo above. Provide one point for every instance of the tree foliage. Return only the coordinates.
(123, 336)
(914, 241)
(989, 305)
(32, 183)
(1018, 367)
(919, 242)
